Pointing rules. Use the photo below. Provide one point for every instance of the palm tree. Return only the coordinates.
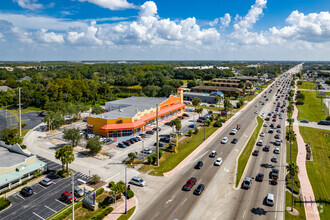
(199, 111)
(292, 168)
(65, 155)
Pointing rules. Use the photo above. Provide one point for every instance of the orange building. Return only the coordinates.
(134, 115)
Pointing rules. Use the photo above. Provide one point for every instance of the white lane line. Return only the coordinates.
(244, 214)
(38, 215)
(50, 209)
(20, 196)
(170, 200)
(199, 181)
(184, 201)
(34, 192)
(43, 186)
(201, 155)
(112, 177)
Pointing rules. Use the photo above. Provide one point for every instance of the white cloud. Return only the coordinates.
(225, 20)
(88, 37)
(22, 35)
(214, 22)
(29, 4)
(111, 4)
(314, 27)
(49, 37)
(148, 9)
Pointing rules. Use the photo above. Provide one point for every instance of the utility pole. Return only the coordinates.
(204, 130)
(143, 148)
(125, 189)
(72, 194)
(157, 140)
(19, 111)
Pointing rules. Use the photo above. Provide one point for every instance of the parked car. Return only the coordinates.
(199, 189)
(278, 126)
(143, 135)
(46, 182)
(224, 140)
(137, 181)
(278, 131)
(78, 192)
(121, 145)
(271, 131)
(155, 129)
(199, 165)
(213, 153)
(323, 122)
(151, 132)
(247, 183)
(260, 177)
(67, 197)
(26, 191)
(304, 121)
(165, 139)
(190, 183)
(186, 115)
(127, 143)
(255, 153)
(277, 151)
(147, 151)
(218, 162)
(192, 126)
(234, 141)
(265, 125)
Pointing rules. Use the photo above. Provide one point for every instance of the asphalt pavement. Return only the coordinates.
(45, 200)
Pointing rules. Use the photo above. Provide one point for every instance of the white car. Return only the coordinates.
(233, 132)
(218, 162)
(224, 140)
(270, 199)
(147, 151)
(256, 105)
(256, 112)
(262, 134)
(262, 115)
(265, 125)
(277, 151)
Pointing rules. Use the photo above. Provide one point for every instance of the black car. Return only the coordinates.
(278, 126)
(260, 177)
(150, 132)
(160, 144)
(132, 140)
(323, 122)
(199, 165)
(199, 189)
(155, 128)
(271, 125)
(266, 148)
(213, 153)
(165, 139)
(121, 145)
(234, 141)
(255, 153)
(26, 191)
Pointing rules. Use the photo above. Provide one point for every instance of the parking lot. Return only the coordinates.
(45, 200)
(7, 120)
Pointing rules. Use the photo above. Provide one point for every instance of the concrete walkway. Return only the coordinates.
(119, 210)
(311, 210)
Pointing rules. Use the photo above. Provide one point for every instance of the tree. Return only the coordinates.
(95, 179)
(73, 135)
(172, 124)
(290, 136)
(196, 130)
(178, 124)
(132, 156)
(53, 120)
(151, 90)
(292, 168)
(11, 136)
(199, 111)
(190, 133)
(196, 102)
(65, 155)
(94, 145)
(97, 110)
(227, 104)
(217, 98)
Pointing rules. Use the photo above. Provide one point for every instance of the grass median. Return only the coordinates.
(245, 155)
(312, 110)
(297, 204)
(170, 160)
(318, 168)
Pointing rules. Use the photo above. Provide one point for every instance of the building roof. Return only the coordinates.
(4, 88)
(129, 107)
(197, 94)
(10, 158)
(218, 88)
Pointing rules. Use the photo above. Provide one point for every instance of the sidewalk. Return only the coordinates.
(119, 210)
(311, 210)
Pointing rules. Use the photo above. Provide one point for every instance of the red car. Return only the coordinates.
(190, 183)
(274, 120)
(67, 197)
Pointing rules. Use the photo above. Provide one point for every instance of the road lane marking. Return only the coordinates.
(42, 186)
(50, 209)
(184, 201)
(199, 181)
(38, 215)
(201, 155)
(226, 170)
(244, 214)
(107, 180)
(61, 202)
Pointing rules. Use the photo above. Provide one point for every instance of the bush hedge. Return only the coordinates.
(217, 124)
(4, 203)
(102, 213)
(67, 212)
(99, 191)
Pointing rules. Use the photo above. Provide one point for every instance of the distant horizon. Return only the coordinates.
(146, 60)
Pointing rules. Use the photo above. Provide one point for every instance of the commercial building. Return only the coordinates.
(131, 116)
(230, 91)
(17, 165)
(205, 97)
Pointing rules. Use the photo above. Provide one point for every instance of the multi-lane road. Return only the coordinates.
(174, 203)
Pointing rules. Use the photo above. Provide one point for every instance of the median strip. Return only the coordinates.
(245, 155)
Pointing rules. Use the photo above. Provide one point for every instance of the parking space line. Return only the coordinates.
(20, 196)
(50, 209)
(38, 215)
(61, 202)
(42, 186)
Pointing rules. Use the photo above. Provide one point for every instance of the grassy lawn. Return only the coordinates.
(25, 110)
(245, 155)
(312, 109)
(318, 169)
(128, 215)
(306, 85)
(170, 160)
(297, 205)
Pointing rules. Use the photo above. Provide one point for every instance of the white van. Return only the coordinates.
(138, 181)
(270, 199)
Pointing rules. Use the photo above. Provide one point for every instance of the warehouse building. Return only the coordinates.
(205, 97)
(134, 115)
(17, 165)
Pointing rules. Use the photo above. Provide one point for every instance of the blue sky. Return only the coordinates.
(164, 30)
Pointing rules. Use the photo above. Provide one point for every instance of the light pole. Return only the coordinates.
(125, 189)
(143, 148)
(157, 138)
(204, 130)
(72, 194)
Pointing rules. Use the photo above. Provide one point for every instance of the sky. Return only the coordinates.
(74, 30)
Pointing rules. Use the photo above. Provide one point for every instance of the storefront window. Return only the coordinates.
(114, 133)
(127, 132)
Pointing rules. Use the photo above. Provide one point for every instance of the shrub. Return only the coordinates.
(130, 194)
(190, 133)
(112, 183)
(95, 179)
(99, 191)
(102, 213)
(23, 146)
(4, 203)
(67, 212)
(106, 202)
(62, 173)
(299, 102)
(149, 159)
(328, 118)
(217, 124)
(196, 130)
